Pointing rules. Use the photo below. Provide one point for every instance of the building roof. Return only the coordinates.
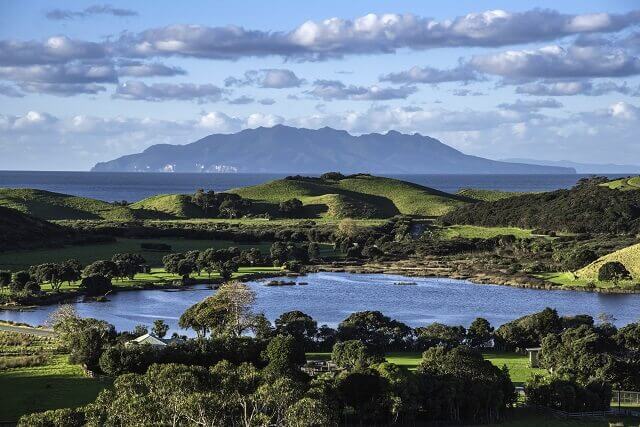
(149, 339)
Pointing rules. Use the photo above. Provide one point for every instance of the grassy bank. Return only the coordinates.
(518, 364)
(48, 383)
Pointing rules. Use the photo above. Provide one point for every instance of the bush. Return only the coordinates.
(66, 417)
(568, 395)
(96, 285)
(613, 270)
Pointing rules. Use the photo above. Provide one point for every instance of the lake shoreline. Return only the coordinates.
(411, 268)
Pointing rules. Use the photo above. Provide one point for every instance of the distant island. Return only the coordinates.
(583, 168)
(284, 149)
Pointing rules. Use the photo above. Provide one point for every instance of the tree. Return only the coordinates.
(226, 269)
(284, 355)
(171, 262)
(290, 208)
(365, 393)
(140, 330)
(71, 271)
(377, 331)
(49, 272)
(57, 417)
(479, 332)
(613, 271)
(160, 328)
(459, 385)
(104, 268)
(438, 334)
(300, 326)
(20, 280)
(529, 330)
(227, 313)
(353, 355)
(129, 264)
(5, 278)
(206, 200)
(85, 339)
(96, 284)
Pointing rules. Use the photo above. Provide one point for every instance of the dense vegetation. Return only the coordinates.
(587, 207)
(225, 377)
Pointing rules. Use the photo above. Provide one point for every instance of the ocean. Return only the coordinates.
(112, 186)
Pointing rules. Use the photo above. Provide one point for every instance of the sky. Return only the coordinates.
(83, 82)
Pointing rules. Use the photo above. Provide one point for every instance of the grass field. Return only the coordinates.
(624, 184)
(473, 231)
(158, 276)
(17, 260)
(49, 385)
(629, 256)
(49, 205)
(362, 196)
(518, 364)
(570, 280)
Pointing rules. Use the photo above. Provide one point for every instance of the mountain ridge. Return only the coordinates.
(284, 149)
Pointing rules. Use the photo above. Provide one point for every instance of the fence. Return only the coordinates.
(623, 398)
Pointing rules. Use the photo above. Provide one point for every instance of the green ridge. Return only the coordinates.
(175, 205)
(629, 257)
(624, 184)
(360, 196)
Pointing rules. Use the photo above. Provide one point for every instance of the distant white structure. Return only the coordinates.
(150, 339)
(534, 354)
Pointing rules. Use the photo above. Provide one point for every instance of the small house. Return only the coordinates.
(149, 339)
(533, 354)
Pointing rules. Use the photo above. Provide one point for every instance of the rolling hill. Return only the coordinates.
(362, 196)
(19, 230)
(629, 257)
(283, 149)
(54, 206)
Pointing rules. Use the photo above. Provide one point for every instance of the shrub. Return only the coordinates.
(96, 285)
(613, 270)
(59, 417)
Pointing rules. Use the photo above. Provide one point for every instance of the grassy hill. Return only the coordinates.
(624, 184)
(487, 195)
(20, 230)
(360, 196)
(629, 256)
(52, 206)
(174, 205)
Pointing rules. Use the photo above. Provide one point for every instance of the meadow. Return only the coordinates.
(49, 383)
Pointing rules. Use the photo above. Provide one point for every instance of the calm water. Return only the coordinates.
(132, 187)
(330, 297)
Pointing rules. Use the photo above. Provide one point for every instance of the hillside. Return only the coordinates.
(487, 195)
(53, 206)
(629, 256)
(18, 230)
(361, 196)
(173, 205)
(624, 184)
(586, 208)
(283, 149)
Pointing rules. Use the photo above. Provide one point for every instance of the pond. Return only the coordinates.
(330, 297)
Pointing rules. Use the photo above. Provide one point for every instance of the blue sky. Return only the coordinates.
(82, 82)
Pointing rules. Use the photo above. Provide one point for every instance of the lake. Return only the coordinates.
(330, 297)
(112, 186)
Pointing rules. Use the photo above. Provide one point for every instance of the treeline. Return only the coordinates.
(586, 208)
(226, 378)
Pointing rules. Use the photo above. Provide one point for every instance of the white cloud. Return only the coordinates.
(142, 69)
(557, 62)
(96, 9)
(570, 88)
(334, 89)
(135, 90)
(270, 78)
(432, 75)
(372, 33)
